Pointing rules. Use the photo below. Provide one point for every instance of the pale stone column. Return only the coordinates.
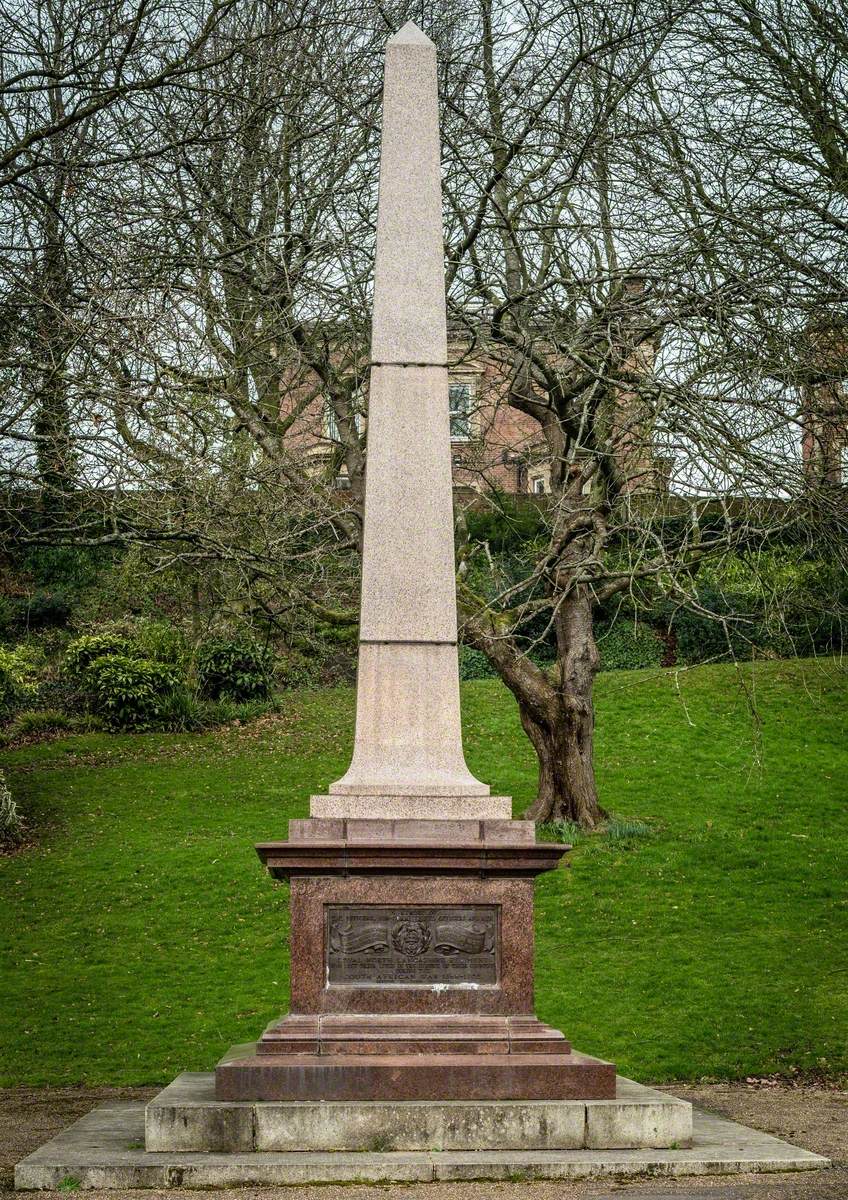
(408, 759)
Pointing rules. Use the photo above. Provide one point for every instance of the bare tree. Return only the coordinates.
(75, 80)
(629, 325)
(620, 242)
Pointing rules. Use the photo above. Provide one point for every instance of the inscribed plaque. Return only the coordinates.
(375, 945)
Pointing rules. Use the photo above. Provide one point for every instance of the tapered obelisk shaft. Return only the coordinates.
(408, 759)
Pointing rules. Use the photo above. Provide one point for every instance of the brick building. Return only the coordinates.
(494, 445)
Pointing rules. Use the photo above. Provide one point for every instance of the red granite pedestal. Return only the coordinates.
(411, 970)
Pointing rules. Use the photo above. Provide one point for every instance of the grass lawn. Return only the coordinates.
(140, 937)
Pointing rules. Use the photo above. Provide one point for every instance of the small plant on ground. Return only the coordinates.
(380, 1143)
(39, 721)
(622, 830)
(566, 832)
(11, 822)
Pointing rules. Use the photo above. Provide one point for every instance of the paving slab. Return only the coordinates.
(104, 1149)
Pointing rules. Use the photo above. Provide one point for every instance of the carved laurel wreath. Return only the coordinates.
(411, 938)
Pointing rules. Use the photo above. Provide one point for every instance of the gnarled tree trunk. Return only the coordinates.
(556, 710)
(564, 742)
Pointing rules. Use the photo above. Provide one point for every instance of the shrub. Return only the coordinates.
(41, 720)
(130, 693)
(82, 652)
(159, 640)
(627, 647)
(509, 525)
(11, 822)
(295, 670)
(234, 670)
(65, 567)
(473, 664)
(45, 610)
(20, 615)
(17, 679)
(704, 639)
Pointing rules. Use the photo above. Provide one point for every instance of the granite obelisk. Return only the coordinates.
(411, 887)
(408, 759)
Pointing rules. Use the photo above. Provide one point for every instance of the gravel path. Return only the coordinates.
(815, 1118)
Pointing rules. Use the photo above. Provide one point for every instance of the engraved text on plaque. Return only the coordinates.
(376, 945)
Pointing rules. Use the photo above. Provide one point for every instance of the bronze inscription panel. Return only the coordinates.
(375, 945)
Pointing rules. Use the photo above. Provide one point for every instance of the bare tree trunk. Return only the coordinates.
(50, 348)
(556, 711)
(566, 790)
(564, 742)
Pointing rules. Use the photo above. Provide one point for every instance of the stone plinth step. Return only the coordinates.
(102, 1150)
(187, 1117)
(409, 1033)
(348, 1077)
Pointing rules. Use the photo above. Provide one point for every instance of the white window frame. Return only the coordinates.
(466, 414)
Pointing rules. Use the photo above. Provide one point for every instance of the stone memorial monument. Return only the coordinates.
(411, 1026)
(411, 886)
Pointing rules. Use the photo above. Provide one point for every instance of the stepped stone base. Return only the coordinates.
(411, 969)
(405, 1033)
(187, 1117)
(243, 1075)
(102, 1150)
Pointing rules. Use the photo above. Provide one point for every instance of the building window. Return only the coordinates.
(460, 395)
(539, 479)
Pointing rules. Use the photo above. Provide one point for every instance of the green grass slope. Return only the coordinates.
(140, 938)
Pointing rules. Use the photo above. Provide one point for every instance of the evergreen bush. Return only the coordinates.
(130, 693)
(234, 670)
(702, 639)
(473, 664)
(83, 651)
(18, 680)
(39, 611)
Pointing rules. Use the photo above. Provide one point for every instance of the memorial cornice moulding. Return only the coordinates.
(287, 859)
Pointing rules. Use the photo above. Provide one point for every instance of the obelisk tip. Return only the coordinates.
(409, 35)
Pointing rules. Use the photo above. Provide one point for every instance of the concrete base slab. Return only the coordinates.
(104, 1150)
(186, 1116)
